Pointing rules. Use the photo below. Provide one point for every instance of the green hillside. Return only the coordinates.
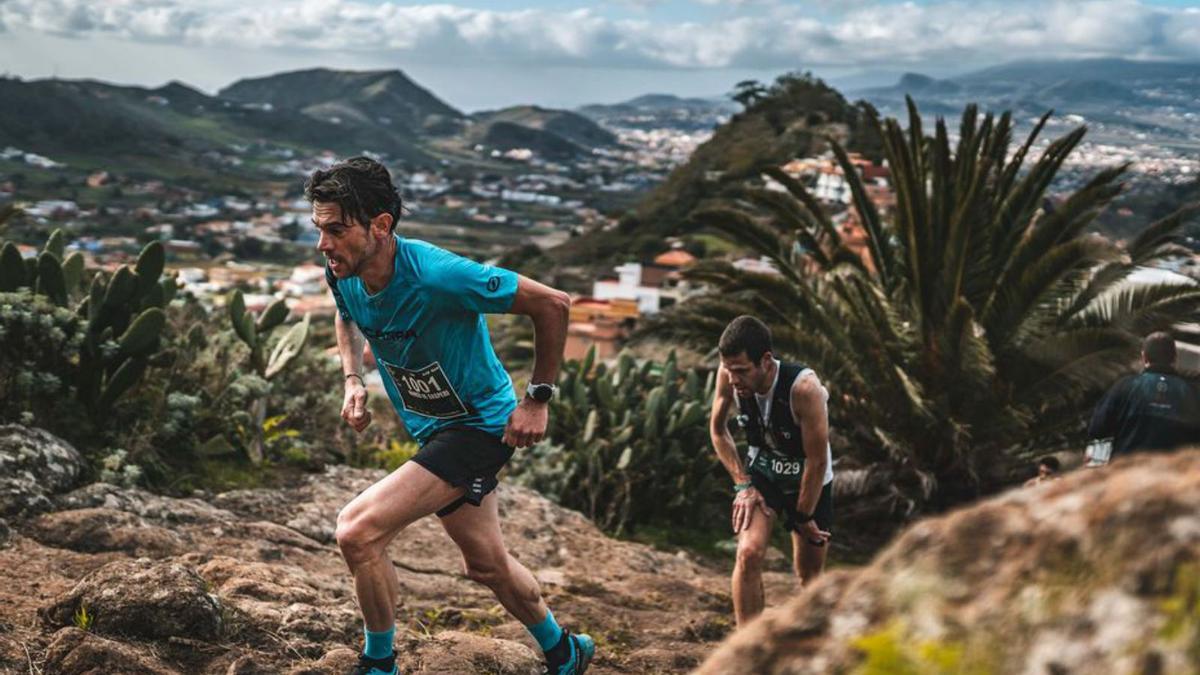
(102, 123)
(793, 117)
(386, 100)
(567, 125)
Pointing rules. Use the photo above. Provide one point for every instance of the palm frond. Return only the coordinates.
(1086, 358)
(1016, 211)
(1037, 287)
(807, 201)
(1151, 241)
(1141, 309)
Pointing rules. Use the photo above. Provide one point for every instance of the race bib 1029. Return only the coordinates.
(778, 467)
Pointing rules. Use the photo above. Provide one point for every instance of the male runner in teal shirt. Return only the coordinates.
(420, 308)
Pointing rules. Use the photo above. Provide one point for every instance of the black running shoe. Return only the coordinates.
(368, 666)
(575, 655)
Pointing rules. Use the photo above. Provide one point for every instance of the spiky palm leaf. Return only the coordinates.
(989, 321)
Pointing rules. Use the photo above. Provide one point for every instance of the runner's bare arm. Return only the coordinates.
(747, 500)
(810, 411)
(550, 310)
(350, 348)
(350, 343)
(718, 429)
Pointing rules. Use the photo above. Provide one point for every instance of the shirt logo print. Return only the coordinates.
(493, 284)
(388, 335)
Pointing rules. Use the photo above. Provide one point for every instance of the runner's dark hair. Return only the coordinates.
(1159, 349)
(361, 186)
(745, 334)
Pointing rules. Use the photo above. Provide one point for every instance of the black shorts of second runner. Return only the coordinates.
(464, 457)
(781, 501)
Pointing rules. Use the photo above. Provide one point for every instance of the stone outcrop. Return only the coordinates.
(34, 466)
(1098, 572)
(77, 652)
(141, 599)
(95, 530)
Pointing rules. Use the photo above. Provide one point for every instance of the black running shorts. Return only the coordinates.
(464, 457)
(782, 501)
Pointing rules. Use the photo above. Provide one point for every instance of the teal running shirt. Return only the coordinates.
(430, 338)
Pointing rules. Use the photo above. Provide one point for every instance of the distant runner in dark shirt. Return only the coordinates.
(1156, 409)
(1047, 470)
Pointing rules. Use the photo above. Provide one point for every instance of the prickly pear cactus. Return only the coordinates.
(122, 315)
(255, 334)
(126, 312)
(628, 442)
(12, 269)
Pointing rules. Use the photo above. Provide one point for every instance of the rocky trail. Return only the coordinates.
(1098, 572)
(251, 581)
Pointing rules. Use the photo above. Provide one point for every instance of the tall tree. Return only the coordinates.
(748, 92)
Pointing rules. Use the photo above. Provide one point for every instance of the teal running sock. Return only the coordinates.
(379, 644)
(547, 633)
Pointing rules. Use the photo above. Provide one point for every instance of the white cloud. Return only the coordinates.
(775, 37)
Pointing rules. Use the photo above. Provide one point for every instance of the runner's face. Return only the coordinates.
(747, 376)
(346, 243)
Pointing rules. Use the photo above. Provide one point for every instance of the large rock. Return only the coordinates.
(34, 465)
(310, 509)
(76, 652)
(141, 598)
(273, 602)
(1096, 573)
(95, 530)
(154, 508)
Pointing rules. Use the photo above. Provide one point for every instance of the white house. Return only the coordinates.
(628, 286)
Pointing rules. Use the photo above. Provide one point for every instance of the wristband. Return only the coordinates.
(360, 380)
(741, 487)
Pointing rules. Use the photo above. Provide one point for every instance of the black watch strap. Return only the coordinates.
(541, 392)
(799, 519)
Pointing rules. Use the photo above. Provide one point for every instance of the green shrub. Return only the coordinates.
(39, 346)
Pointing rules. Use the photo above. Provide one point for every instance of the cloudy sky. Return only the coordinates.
(478, 54)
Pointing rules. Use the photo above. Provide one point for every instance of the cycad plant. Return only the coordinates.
(985, 322)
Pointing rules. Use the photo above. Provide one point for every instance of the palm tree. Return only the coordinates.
(978, 326)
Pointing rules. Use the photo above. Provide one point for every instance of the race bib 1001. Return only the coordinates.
(426, 391)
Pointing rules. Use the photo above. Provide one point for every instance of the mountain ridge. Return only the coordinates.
(384, 98)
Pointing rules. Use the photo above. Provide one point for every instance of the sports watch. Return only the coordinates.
(541, 392)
